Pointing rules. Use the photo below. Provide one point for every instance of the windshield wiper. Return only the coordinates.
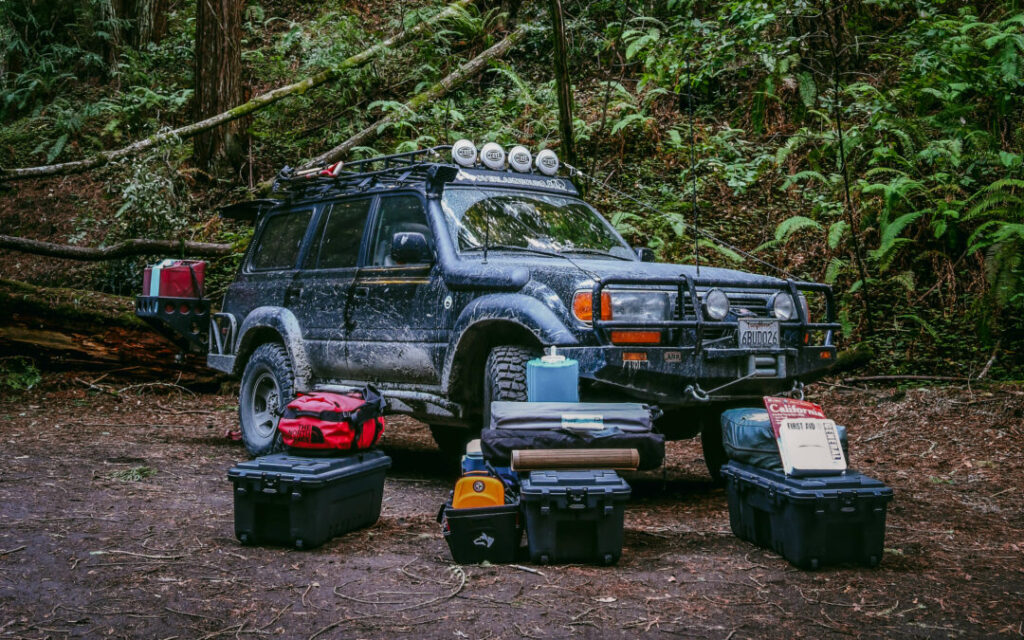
(512, 247)
(596, 252)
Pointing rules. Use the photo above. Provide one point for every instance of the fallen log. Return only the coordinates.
(446, 84)
(255, 104)
(74, 329)
(906, 378)
(134, 247)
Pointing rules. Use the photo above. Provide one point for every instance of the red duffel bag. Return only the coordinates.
(326, 421)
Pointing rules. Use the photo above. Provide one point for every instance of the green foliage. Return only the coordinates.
(135, 474)
(18, 373)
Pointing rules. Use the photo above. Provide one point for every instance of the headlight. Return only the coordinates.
(716, 304)
(624, 305)
(640, 305)
(783, 307)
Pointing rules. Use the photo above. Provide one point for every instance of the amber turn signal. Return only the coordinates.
(583, 307)
(636, 337)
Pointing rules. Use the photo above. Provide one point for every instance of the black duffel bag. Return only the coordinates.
(556, 425)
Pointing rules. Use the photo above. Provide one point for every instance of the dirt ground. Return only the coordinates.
(116, 521)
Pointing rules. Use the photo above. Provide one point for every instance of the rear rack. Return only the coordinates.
(687, 286)
(183, 321)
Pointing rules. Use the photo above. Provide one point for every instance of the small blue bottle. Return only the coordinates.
(553, 378)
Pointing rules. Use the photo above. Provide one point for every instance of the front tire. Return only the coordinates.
(268, 384)
(505, 377)
(714, 451)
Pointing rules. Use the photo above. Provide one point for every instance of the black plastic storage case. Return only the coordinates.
(574, 516)
(812, 522)
(485, 533)
(291, 500)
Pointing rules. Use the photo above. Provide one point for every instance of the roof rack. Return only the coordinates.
(393, 169)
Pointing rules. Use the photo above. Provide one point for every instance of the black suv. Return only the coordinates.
(438, 282)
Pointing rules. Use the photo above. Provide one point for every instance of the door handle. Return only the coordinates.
(361, 292)
(292, 293)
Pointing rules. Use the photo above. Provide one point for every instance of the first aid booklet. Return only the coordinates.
(808, 441)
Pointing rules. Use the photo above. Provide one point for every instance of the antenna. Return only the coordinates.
(693, 168)
(487, 232)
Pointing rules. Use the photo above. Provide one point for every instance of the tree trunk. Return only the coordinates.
(455, 78)
(69, 328)
(218, 79)
(147, 21)
(563, 84)
(259, 102)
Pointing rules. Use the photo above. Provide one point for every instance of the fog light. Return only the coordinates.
(716, 304)
(783, 307)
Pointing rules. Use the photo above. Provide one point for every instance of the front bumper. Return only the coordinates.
(699, 354)
(662, 374)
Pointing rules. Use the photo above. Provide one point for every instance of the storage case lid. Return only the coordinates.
(810, 488)
(557, 483)
(591, 416)
(310, 471)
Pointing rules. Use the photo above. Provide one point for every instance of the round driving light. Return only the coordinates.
(716, 304)
(519, 159)
(464, 153)
(493, 156)
(547, 162)
(783, 307)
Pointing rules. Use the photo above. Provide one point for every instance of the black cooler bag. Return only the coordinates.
(748, 438)
(568, 425)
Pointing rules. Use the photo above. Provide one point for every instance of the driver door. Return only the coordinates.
(395, 332)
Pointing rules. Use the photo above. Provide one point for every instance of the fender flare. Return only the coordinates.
(516, 308)
(285, 324)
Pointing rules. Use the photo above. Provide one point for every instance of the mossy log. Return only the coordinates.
(134, 247)
(259, 102)
(69, 328)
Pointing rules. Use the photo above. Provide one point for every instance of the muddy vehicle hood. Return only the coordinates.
(582, 272)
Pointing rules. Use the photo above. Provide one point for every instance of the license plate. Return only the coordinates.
(758, 334)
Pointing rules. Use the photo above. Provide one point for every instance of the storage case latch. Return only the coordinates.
(847, 501)
(268, 483)
(577, 497)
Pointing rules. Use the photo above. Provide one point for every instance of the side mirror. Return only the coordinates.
(410, 247)
(646, 254)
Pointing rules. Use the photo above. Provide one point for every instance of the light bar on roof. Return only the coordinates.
(464, 153)
(493, 156)
(547, 162)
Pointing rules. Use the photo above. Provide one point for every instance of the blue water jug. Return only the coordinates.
(474, 459)
(553, 378)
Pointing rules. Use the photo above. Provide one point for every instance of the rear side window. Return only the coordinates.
(343, 234)
(281, 240)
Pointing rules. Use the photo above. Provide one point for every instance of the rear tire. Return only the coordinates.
(451, 440)
(268, 384)
(505, 377)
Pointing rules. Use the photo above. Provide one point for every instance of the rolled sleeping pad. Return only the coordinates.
(555, 459)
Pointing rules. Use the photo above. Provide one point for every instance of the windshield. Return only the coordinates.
(529, 221)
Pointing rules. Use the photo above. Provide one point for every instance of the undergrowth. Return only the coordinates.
(915, 217)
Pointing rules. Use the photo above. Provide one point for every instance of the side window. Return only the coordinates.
(281, 240)
(343, 234)
(397, 214)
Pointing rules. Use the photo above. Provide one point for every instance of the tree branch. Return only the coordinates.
(259, 102)
(449, 82)
(134, 247)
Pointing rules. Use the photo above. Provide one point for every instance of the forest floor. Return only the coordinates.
(117, 521)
